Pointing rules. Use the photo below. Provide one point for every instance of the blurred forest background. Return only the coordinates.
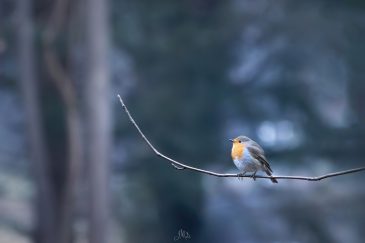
(289, 74)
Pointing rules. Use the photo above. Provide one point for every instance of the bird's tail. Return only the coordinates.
(270, 174)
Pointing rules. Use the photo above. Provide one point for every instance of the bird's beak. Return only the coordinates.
(231, 140)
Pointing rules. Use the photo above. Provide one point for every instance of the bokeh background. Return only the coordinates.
(194, 73)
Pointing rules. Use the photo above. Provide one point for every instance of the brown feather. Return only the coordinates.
(258, 154)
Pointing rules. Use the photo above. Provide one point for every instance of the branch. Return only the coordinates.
(181, 166)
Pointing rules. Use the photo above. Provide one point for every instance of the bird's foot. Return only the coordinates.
(241, 175)
(254, 176)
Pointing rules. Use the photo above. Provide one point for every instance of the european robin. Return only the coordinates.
(248, 156)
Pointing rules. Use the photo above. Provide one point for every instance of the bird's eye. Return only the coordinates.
(239, 141)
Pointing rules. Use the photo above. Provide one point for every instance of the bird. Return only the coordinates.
(249, 156)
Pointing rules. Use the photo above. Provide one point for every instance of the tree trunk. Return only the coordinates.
(98, 117)
(29, 89)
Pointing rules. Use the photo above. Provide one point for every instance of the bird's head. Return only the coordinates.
(240, 139)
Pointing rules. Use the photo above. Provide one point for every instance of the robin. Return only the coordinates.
(248, 156)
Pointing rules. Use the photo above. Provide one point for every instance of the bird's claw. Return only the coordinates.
(241, 175)
(254, 176)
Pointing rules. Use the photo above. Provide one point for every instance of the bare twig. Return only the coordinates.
(180, 166)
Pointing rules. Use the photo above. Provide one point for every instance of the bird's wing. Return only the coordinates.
(257, 146)
(258, 153)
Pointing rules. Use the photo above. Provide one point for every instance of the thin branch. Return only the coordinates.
(181, 166)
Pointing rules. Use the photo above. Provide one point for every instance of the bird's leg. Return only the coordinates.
(254, 175)
(241, 175)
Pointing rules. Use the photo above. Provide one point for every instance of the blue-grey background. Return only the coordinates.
(194, 73)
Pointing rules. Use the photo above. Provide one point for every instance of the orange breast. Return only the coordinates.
(237, 150)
